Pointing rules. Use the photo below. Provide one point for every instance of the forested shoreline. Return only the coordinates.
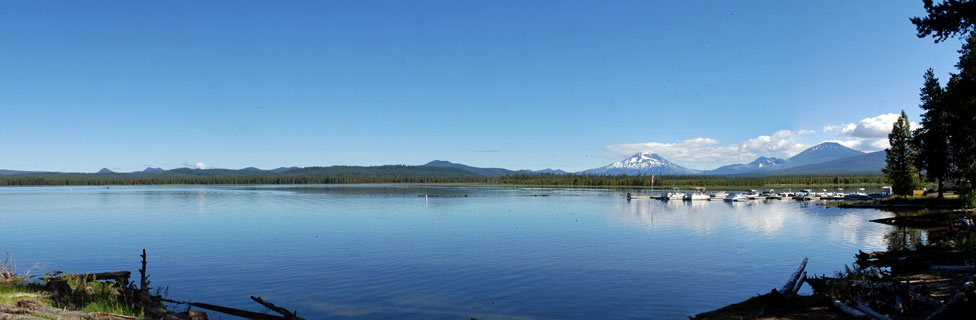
(554, 180)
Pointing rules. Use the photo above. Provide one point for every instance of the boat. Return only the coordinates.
(754, 195)
(735, 197)
(698, 195)
(718, 196)
(673, 195)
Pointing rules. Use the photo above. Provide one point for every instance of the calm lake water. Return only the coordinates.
(380, 251)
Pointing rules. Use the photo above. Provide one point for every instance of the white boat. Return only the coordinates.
(754, 195)
(673, 195)
(698, 195)
(735, 197)
(718, 196)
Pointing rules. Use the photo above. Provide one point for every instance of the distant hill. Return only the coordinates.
(105, 170)
(761, 163)
(152, 170)
(823, 152)
(487, 172)
(642, 163)
(865, 163)
(387, 170)
(13, 172)
(543, 171)
(375, 171)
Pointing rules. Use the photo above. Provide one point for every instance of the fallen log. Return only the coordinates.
(237, 312)
(799, 284)
(926, 300)
(953, 268)
(788, 288)
(867, 310)
(284, 312)
(968, 286)
(848, 310)
(119, 276)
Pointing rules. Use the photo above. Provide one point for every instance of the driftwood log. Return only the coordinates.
(122, 277)
(868, 311)
(968, 286)
(795, 281)
(284, 312)
(848, 310)
(286, 315)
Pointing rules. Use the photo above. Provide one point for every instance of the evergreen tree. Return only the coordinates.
(946, 19)
(931, 140)
(900, 158)
(961, 113)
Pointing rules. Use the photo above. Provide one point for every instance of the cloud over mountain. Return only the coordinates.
(869, 134)
(704, 152)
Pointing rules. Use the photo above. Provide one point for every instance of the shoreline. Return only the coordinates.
(932, 281)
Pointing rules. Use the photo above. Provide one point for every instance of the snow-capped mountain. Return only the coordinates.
(646, 163)
(827, 151)
(761, 163)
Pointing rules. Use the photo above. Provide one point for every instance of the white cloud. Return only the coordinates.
(869, 134)
(200, 165)
(780, 143)
(871, 128)
(689, 152)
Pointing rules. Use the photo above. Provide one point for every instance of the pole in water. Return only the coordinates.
(425, 200)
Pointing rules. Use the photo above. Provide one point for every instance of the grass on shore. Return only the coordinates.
(89, 296)
(10, 293)
(95, 296)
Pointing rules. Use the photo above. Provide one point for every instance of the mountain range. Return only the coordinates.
(825, 158)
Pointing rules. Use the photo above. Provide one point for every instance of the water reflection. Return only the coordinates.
(770, 218)
(904, 238)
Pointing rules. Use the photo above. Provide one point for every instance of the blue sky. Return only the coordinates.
(515, 84)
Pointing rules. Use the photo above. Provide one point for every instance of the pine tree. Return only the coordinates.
(931, 140)
(946, 19)
(961, 113)
(900, 158)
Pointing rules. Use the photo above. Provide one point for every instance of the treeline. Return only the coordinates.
(554, 180)
(217, 180)
(571, 180)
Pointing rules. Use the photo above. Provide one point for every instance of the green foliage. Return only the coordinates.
(946, 19)
(842, 288)
(95, 296)
(112, 306)
(900, 158)
(931, 139)
(961, 100)
(969, 198)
